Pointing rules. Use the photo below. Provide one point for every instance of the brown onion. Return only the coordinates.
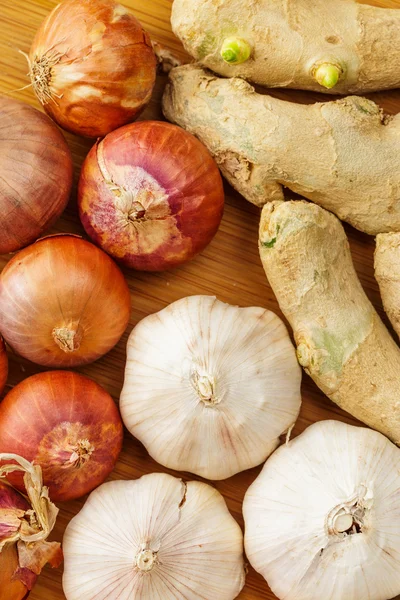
(35, 174)
(67, 424)
(151, 195)
(92, 66)
(3, 365)
(63, 302)
(25, 524)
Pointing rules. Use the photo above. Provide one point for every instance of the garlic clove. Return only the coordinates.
(323, 517)
(155, 538)
(210, 387)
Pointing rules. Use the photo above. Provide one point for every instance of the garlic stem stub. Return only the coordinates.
(155, 538)
(210, 387)
(323, 517)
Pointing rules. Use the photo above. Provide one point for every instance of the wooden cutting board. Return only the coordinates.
(229, 268)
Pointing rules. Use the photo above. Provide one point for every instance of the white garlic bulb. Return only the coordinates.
(323, 517)
(210, 387)
(155, 538)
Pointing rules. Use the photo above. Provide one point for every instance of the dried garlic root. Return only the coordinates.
(210, 387)
(343, 155)
(387, 274)
(341, 341)
(155, 538)
(323, 517)
(316, 45)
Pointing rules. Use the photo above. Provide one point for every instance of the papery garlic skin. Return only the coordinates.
(154, 538)
(210, 387)
(332, 477)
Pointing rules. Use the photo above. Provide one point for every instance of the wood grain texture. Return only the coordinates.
(229, 268)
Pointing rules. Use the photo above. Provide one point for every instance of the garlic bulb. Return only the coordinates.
(323, 517)
(210, 387)
(155, 538)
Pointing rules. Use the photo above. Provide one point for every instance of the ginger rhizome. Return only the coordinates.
(342, 155)
(336, 46)
(341, 341)
(387, 274)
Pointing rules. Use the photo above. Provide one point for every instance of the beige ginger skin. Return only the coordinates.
(288, 40)
(341, 341)
(387, 274)
(342, 155)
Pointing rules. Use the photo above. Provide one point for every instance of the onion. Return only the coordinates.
(3, 364)
(92, 66)
(150, 195)
(67, 424)
(25, 524)
(63, 302)
(35, 174)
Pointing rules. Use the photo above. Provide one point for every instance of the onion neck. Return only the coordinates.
(68, 339)
(80, 454)
(137, 198)
(137, 212)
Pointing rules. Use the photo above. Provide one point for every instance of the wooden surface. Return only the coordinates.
(229, 268)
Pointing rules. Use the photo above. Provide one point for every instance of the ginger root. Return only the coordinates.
(341, 341)
(387, 274)
(343, 155)
(336, 46)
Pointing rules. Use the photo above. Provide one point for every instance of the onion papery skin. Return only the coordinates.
(67, 424)
(151, 195)
(3, 365)
(35, 174)
(63, 302)
(97, 66)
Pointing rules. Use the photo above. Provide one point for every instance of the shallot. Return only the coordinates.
(3, 365)
(150, 195)
(67, 424)
(35, 174)
(63, 302)
(92, 66)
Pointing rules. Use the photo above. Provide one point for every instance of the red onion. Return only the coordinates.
(35, 174)
(150, 195)
(67, 424)
(63, 302)
(92, 66)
